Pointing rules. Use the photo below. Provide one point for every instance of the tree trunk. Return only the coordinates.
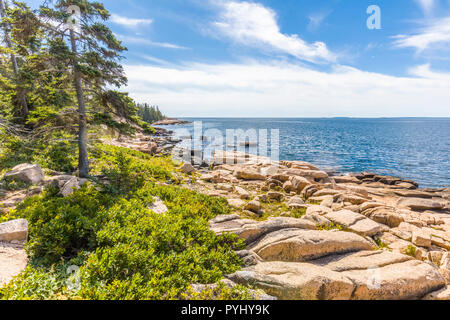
(83, 161)
(21, 93)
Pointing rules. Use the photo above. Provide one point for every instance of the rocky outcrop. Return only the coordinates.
(251, 230)
(28, 173)
(296, 281)
(294, 263)
(421, 204)
(15, 230)
(356, 222)
(293, 245)
(187, 168)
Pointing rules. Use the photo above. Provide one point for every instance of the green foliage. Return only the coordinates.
(56, 151)
(62, 227)
(329, 226)
(381, 244)
(220, 292)
(107, 119)
(147, 128)
(127, 170)
(35, 284)
(143, 255)
(125, 250)
(411, 251)
(60, 153)
(7, 216)
(13, 151)
(150, 114)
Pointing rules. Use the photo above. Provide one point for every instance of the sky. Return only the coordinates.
(290, 58)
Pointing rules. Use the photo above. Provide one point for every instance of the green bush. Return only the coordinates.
(58, 151)
(62, 227)
(150, 256)
(125, 250)
(127, 170)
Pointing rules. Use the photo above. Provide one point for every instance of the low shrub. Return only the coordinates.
(125, 250)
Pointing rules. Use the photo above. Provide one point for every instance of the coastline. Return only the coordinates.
(411, 149)
(303, 228)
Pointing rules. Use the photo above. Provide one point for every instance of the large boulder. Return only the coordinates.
(400, 281)
(249, 174)
(28, 173)
(383, 275)
(236, 203)
(318, 209)
(295, 245)
(356, 222)
(312, 174)
(421, 204)
(243, 194)
(299, 183)
(296, 203)
(251, 230)
(384, 215)
(69, 187)
(296, 281)
(253, 206)
(187, 168)
(15, 230)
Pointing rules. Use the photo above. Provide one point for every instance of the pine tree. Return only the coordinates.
(21, 92)
(93, 59)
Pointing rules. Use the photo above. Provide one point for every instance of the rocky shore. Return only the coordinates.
(170, 122)
(314, 236)
(309, 235)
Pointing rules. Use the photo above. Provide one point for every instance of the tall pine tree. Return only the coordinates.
(20, 90)
(92, 59)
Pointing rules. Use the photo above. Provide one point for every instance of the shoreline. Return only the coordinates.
(170, 122)
(202, 162)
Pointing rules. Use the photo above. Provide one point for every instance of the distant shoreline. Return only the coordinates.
(170, 122)
(327, 118)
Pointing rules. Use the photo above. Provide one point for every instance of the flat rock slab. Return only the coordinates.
(400, 281)
(13, 260)
(296, 281)
(387, 277)
(362, 260)
(251, 230)
(421, 204)
(356, 222)
(15, 230)
(294, 245)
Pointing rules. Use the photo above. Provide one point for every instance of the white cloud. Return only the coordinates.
(435, 34)
(256, 25)
(426, 5)
(316, 19)
(147, 42)
(424, 71)
(288, 90)
(129, 22)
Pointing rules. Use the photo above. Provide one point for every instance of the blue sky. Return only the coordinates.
(299, 58)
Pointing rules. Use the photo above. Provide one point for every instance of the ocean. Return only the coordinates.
(411, 148)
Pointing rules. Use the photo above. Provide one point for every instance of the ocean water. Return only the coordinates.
(411, 148)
